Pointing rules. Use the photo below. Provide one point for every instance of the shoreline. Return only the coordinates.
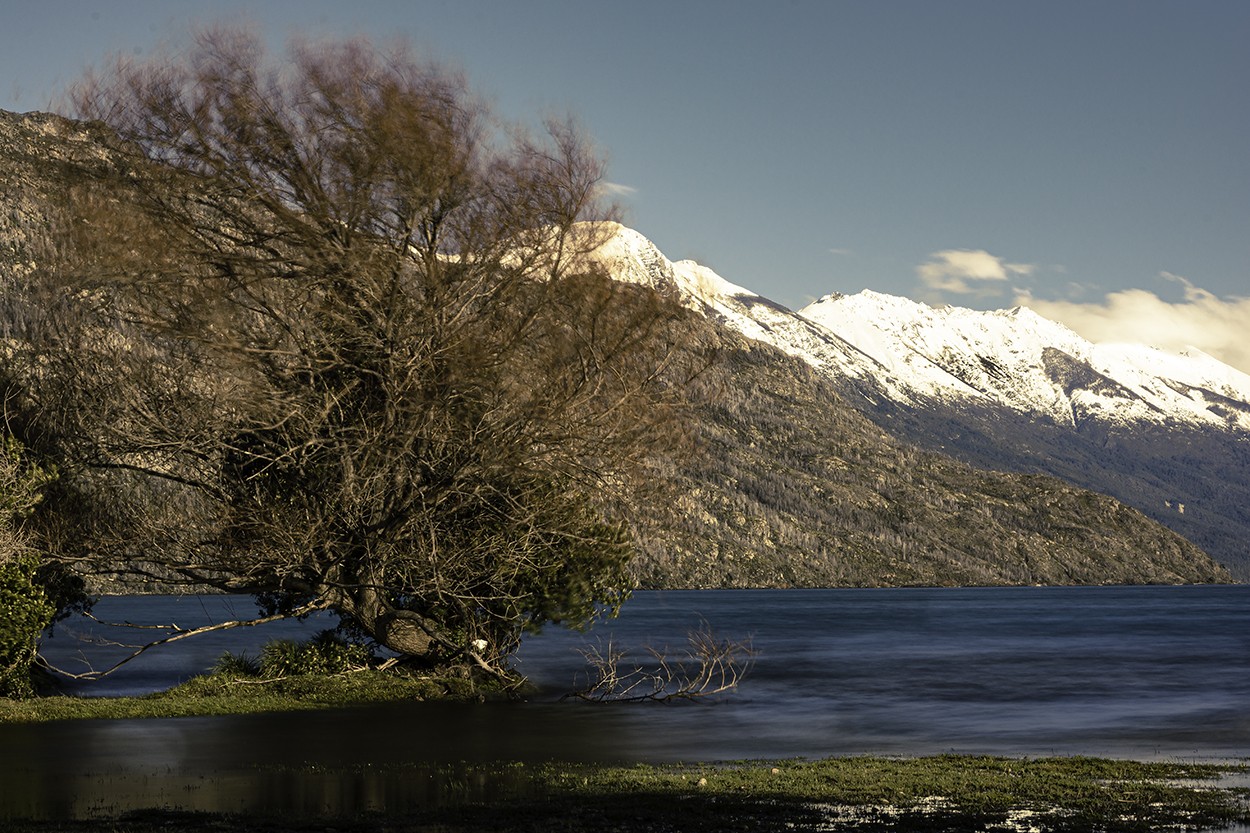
(946, 793)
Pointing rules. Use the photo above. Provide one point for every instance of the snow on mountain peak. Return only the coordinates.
(885, 345)
(1023, 361)
(631, 257)
(705, 284)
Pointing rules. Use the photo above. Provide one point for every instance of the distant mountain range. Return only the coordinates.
(872, 441)
(1009, 390)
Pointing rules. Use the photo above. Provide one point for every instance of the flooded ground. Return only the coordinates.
(1155, 673)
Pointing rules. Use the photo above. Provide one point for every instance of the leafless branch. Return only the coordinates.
(177, 635)
(706, 668)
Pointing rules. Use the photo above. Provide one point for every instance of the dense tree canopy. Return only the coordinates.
(323, 333)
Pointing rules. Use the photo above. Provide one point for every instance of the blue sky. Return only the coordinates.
(1090, 159)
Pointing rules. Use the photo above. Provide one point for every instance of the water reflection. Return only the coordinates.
(1150, 673)
(285, 792)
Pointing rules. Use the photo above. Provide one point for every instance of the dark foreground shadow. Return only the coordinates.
(639, 813)
(936, 794)
(631, 812)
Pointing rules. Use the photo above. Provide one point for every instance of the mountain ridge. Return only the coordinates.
(1009, 389)
(922, 346)
(802, 476)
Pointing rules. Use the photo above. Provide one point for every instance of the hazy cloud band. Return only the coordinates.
(1214, 325)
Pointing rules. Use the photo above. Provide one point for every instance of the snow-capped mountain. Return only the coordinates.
(1019, 360)
(916, 355)
(861, 453)
(1010, 390)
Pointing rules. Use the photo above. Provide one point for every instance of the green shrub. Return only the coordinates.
(237, 665)
(25, 606)
(26, 611)
(325, 653)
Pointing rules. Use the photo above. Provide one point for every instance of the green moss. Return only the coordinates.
(1059, 790)
(945, 793)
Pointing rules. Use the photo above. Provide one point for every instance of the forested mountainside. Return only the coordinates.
(35, 149)
(1193, 480)
(787, 484)
(1009, 390)
(1164, 433)
(791, 486)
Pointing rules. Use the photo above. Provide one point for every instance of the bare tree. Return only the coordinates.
(324, 335)
(707, 667)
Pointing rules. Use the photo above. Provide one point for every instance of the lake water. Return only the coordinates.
(1140, 672)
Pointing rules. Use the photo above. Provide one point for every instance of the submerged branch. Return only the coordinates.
(708, 667)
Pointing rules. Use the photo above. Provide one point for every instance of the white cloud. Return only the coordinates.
(1214, 325)
(968, 271)
(841, 252)
(616, 189)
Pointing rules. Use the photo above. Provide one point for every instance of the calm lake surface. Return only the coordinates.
(1140, 672)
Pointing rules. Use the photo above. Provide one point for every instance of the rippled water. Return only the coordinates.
(1149, 673)
(1154, 672)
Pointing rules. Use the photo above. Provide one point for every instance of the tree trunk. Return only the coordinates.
(398, 630)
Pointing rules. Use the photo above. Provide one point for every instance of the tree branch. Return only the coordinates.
(179, 634)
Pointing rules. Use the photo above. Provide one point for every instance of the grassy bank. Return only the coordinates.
(222, 694)
(945, 793)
